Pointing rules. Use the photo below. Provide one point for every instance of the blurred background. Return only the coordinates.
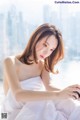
(19, 18)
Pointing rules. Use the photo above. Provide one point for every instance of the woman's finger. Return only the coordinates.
(77, 93)
(75, 86)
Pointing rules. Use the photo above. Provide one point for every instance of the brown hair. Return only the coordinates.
(41, 32)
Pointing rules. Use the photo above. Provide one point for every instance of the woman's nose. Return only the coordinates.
(45, 51)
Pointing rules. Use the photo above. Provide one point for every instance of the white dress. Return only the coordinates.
(39, 110)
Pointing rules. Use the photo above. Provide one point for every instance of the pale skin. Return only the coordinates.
(16, 71)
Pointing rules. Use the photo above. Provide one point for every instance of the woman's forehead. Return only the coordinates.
(50, 40)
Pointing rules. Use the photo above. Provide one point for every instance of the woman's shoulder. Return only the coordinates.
(11, 59)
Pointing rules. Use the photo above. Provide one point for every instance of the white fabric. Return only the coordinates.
(39, 110)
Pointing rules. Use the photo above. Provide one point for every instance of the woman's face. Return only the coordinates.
(45, 47)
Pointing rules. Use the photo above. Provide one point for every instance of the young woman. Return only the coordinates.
(28, 92)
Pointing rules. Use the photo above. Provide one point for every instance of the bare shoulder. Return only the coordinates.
(11, 60)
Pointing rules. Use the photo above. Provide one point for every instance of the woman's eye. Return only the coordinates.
(45, 45)
(51, 49)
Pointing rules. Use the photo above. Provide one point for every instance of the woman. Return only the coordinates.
(28, 93)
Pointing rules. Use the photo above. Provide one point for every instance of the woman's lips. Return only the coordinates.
(42, 56)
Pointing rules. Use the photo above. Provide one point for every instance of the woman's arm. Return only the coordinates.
(19, 93)
(5, 85)
(72, 91)
(11, 75)
(27, 95)
(46, 80)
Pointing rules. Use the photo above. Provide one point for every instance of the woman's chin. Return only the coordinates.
(40, 60)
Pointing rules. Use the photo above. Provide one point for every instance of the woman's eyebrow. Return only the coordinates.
(48, 44)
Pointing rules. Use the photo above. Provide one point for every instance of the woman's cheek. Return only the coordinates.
(49, 53)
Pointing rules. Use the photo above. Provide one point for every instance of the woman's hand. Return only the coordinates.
(70, 92)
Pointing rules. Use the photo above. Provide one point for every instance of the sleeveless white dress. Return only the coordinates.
(39, 110)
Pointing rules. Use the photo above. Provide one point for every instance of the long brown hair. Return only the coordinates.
(41, 32)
